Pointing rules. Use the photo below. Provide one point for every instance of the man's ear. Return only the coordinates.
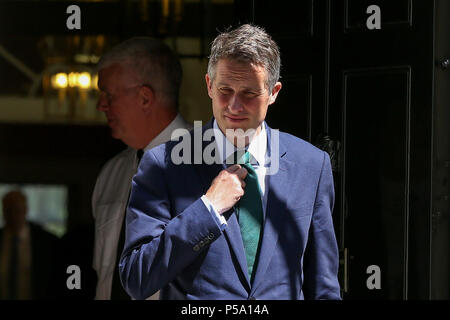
(276, 89)
(146, 97)
(209, 85)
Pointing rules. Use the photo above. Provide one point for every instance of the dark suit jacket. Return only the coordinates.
(174, 243)
(43, 255)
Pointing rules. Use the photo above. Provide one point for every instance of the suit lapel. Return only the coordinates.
(232, 232)
(233, 235)
(277, 196)
(206, 172)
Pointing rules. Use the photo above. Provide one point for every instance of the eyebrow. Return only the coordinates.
(224, 84)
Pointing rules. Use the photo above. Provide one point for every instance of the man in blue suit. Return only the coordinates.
(244, 213)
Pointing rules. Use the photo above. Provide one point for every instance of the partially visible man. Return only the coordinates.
(27, 253)
(139, 80)
(242, 227)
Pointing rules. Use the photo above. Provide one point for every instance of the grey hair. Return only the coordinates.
(250, 44)
(151, 61)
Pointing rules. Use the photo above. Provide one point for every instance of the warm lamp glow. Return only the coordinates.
(81, 80)
(95, 82)
(165, 8)
(84, 80)
(73, 79)
(59, 80)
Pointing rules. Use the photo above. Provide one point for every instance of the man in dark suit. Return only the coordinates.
(242, 213)
(27, 253)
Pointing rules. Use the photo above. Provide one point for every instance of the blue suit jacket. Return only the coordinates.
(174, 243)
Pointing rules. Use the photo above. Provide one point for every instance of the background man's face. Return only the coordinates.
(119, 100)
(240, 98)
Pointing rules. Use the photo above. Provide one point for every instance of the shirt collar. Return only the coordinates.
(257, 147)
(166, 134)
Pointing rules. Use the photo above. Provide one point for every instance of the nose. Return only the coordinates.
(102, 103)
(235, 105)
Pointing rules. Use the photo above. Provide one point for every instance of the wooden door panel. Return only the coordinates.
(371, 92)
(296, 94)
(296, 19)
(376, 110)
(394, 14)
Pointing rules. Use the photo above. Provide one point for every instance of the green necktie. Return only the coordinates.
(250, 213)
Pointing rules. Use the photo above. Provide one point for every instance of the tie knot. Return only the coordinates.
(239, 157)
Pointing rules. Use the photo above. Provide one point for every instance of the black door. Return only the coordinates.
(371, 92)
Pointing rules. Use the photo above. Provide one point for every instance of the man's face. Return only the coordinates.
(119, 100)
(240, 97)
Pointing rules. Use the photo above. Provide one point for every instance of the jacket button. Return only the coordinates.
(211, 236)
(196, 247)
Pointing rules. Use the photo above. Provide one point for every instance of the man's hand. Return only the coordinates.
(227, 188)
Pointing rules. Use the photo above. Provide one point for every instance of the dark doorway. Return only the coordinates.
(375, 94)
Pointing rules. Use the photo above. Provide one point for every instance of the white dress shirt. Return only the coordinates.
(109, 201)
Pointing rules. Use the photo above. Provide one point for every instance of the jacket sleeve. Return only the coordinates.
(321, 260)
(160, 243)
